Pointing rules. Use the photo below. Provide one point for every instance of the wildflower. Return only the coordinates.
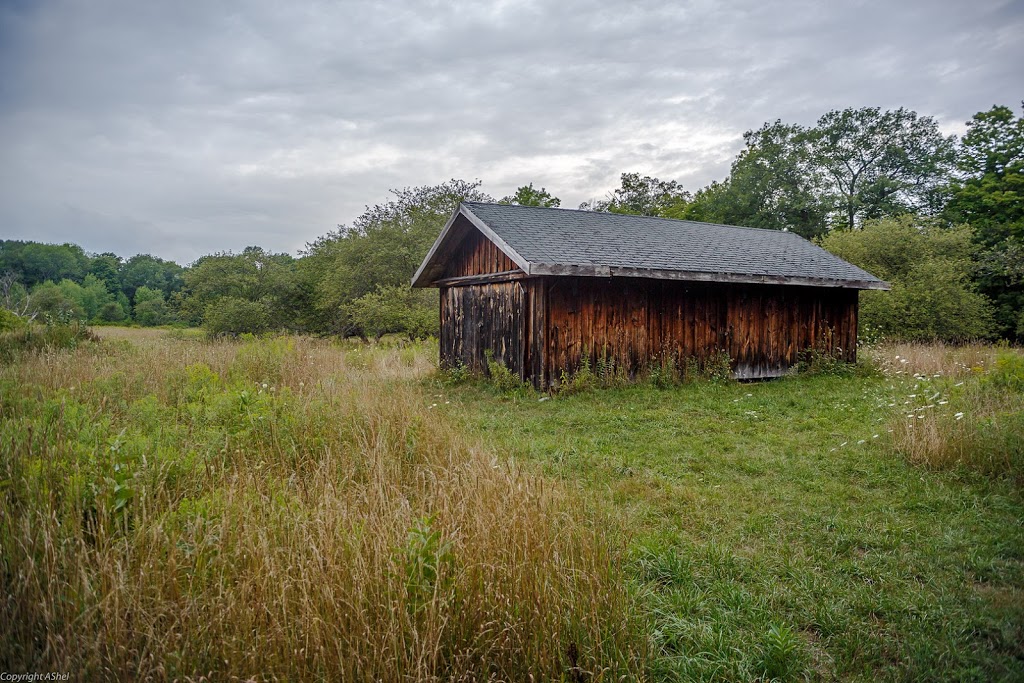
(264, 385)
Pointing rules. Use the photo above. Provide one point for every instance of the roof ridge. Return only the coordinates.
(638, 215)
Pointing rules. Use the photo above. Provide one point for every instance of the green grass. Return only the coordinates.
(775, 532)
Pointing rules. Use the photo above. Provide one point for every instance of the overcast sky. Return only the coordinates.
(180, 128)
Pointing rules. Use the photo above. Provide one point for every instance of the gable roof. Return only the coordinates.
(543, 241)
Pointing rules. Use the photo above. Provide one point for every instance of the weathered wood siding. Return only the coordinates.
(477, 255)
(478, 318)
(630, 321)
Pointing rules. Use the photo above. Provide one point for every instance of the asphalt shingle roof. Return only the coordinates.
(551, 238)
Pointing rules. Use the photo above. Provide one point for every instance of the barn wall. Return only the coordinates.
(630, 321)
(477, 255)
(476, 318)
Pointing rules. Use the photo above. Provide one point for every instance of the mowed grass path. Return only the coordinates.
(776, 534)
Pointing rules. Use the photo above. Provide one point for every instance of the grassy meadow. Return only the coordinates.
(288, 508)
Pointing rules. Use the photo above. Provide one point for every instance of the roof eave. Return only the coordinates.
(700, 276)
(420, 279)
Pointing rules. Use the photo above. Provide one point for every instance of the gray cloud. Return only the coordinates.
(185, 128)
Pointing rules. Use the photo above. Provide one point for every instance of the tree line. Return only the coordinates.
(940, 217)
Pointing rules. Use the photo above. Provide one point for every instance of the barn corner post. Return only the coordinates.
(536, 286)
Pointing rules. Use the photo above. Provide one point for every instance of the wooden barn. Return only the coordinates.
(539, 287)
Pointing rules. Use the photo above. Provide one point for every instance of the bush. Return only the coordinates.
(111, 312)
(929, 268)
(34, 337)
(231, 316)
(10, 321)
(396, 310)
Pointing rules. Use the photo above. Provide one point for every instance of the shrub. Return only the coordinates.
(35, 337)
(10, 321)
(929, 267)
(1007, 373)
(396, 309)
(232, 316)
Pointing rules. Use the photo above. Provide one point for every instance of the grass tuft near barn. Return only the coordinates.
(172, 507)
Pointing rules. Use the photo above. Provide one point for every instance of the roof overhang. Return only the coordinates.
(701, 276)
(463, 220)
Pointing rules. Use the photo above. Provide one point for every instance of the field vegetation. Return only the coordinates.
(173, 506)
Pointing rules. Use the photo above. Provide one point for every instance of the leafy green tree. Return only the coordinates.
(88, 297)
(54, 262)
(527, 195)
(107, 267)
(852, 166)
(929, 269)
(990, 196)
(772, 185)
(49, 299)
(875, 164)
(383, 247)
(150, 307)
(643, 196)
(255, 275)
(144, 270)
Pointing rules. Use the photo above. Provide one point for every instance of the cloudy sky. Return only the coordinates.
(182, 128)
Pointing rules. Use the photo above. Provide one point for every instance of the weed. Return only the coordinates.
(501, 377)
(455, 374)
(782, 656)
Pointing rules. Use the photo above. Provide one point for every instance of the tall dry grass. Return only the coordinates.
(177, 509)
(957, 406)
